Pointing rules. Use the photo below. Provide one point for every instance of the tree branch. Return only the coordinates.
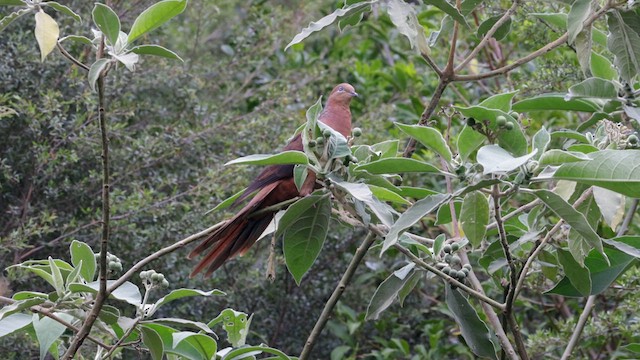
(337, 293)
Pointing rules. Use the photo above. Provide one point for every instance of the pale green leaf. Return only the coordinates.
(47, 33)
(474, 217)
(283, 158)
(429, 137)
(155, 16)
(155, 50)
(496, 160)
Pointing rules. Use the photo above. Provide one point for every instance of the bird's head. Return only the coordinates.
(342, 94)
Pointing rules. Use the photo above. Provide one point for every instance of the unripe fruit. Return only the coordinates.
(509, 126)
(467, 266)
(320, 140)
(165, 283)
(144, 274)
(357, 132)
(455, 260)
(501, 121)
(157, 277)
(447, 270)
(326, 133)
(471, 121)
(115, 266)
(312, 143)
(455, 247)
(447, 258)
(632, 139)
(461, 275)
(515, 114)
(446, 248)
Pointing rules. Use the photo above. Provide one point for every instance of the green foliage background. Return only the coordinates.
(173, 126)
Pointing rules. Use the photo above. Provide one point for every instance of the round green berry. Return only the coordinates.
(471, 121)
(447, 258)
(320, 140)
(501, 121)
(326, 133)
(446, 248)
(447, 270)
(515, 114)
(461, 275)
(312, 143)
(455, 260)
(509, 126)
(455, 247)
(356, 132)
(467, 266)
(632, 139)
(165, 283)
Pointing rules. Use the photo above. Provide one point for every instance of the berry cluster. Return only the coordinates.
(452, 261)
(114, 264)
(152, 278)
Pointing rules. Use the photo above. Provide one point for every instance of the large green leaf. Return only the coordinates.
(500, 33)
(473, 329)
(235, 323)
(249, 352)
(126, 292)
(361, 192)
(499, 101)
(411, 216)
(628, 244)
(107, 21)
(153, 342)
(604, 271)
(182, 293)
(387, 292)
(315, 26)
(304, 227)
(577, 274)
(616, 170)
(48, 331)
(428, 137)
(580, 11)
(82, 252)
(572, 216)
(511, 140)
(155, 50)
(468, 141)
(624, 43)
(559, 157)
(594, 88)
(283, 158)
(205, 345)
(155, 16)
(603, 68)
(474, 217)
(13, 323)
(557, 102)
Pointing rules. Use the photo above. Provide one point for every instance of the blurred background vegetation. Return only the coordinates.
(174, 125)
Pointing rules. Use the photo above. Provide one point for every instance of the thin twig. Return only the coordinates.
(337, 293)
(104, 240)
(489, 35)
(71, 58)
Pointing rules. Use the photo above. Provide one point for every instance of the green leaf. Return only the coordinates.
(604, 270)
(79, 39)
(474, 217)
(82, 252)
(411, 216)
(235, 323)
(177, 322)
(500, 33)
(594, 88)
(396, 166)
(388, 195)
(95, 71)
(473, 329)
(56, 275)
(449, 10)
(203, 344)
(580, 11)
(556, 102)
(611, 205)
(429, 137)
(603, 68)
(283, 158)
(153, 342)
(572, 216)
(540, 142)
(578, 275)
(248, 351)
(227, 202)
(107, 21)
(387, 291)
(513, 140)
(616, 170)
(570, 134)
(304, 227)
(583, 46)
(624, 43)
(20, 305)
(409, 284)
(155, 50)
(63, 9)
(126, 292)
(361, 192)
(403, 16)
(629, 245)
(48, 331)
(5, 21)
(328, 20)
(109, 314)
(337, 145)
(443, 216)
(499, 101)
(468, 141)
(155, 16)
(12, 3)
(182, 293)
(559, 157)
(13, 323)
(496, 160)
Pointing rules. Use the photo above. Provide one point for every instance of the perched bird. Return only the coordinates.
(274, 185)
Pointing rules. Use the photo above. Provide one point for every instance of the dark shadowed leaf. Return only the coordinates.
(387, 291)
(578, 275)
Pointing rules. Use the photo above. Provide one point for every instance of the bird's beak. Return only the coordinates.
(354, 94)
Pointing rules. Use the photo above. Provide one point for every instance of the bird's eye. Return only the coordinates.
(340, 88)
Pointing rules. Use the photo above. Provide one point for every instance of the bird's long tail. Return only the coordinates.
(234, 237)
